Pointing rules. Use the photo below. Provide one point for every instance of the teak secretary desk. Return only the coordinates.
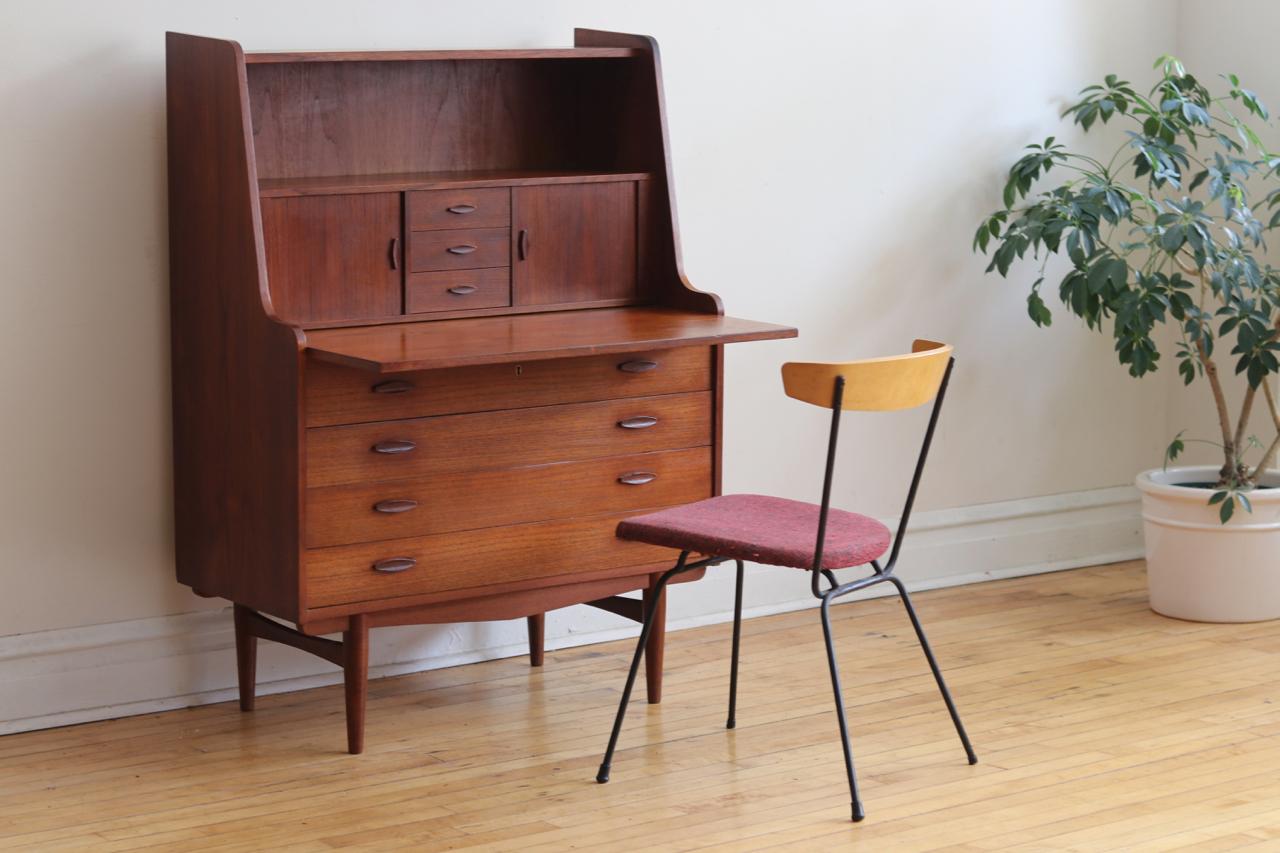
(431, 339)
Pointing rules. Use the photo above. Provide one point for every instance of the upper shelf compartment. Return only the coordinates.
(497, 114)
(268, 57)
(400, 181)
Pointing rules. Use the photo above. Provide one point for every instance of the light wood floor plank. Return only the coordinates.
(1100, 725)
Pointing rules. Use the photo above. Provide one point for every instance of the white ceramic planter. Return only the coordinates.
(1201, 569)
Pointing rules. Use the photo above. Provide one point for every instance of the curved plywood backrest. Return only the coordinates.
(873, 384)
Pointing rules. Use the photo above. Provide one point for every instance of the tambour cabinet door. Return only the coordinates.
(333, 257)
(573, 243)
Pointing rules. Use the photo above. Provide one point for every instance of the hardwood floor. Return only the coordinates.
(1099, 725)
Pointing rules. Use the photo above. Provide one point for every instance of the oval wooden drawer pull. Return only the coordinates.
(637, 478)
(393, 386)
(637, 366)
(395, 445)
(638, 422)
(391, 565)
(462, 289)
(462, 249)
(395, 505)
(462, 208)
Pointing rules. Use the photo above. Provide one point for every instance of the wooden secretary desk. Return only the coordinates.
(431, 339)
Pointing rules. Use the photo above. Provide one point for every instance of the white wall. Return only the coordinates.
(831, 161)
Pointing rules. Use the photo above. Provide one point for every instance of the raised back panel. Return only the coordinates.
(356, 118)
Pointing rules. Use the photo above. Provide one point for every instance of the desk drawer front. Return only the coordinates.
(463, 249)
(397, 509)
(472, 558)
(457, 290)
(344, 395)
(400, 450)
(433, 210)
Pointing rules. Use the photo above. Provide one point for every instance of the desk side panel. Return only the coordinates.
(236, 371)
(646, 140)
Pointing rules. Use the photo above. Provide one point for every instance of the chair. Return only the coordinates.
(802, 535)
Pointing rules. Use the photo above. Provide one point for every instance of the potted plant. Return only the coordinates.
(1164, 232)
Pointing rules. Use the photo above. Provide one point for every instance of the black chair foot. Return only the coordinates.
(731, 723)
(603, 775)
(973, 759)
(858, 813)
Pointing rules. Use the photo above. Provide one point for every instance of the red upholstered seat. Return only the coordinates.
(763, 529)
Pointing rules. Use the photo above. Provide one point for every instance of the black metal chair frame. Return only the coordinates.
(881, 574)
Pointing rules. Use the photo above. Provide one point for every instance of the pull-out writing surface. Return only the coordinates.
(529, 337)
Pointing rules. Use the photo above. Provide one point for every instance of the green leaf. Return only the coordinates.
(981, 237)
(1226, 510)
(1037, 310)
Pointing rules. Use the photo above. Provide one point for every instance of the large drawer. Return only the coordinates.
(400, 450)
(441, 503)
(471, 558)
(346, 395)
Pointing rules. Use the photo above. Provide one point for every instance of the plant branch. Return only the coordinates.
(1220, 401)
(1246, 409)
(1268, 458)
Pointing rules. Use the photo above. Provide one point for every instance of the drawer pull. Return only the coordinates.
(462, 208)
(463, 289)
(395, 505)
(638, 422)
(522, 244)
(637, 366)
(392, 386)
(391, 565)
(395, 253)
(462, 249)
(637, 478)
(393, 446)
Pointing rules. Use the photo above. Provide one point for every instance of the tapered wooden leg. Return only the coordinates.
(355, 647)
(653, 648)
(246, 656)
(537, 625)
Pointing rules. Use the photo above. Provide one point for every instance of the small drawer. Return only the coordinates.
(463, 249)
(457, 290)
(400, 450)
(348, 395)
(443, 503)
(437, 210)
(375, 571)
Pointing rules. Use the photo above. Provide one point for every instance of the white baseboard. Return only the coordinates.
(76, 675)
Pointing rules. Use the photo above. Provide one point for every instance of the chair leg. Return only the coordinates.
(737, 637)
(937, 673)
(858, 813)
(650, 616)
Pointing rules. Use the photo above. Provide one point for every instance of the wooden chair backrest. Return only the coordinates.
(872, 384)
